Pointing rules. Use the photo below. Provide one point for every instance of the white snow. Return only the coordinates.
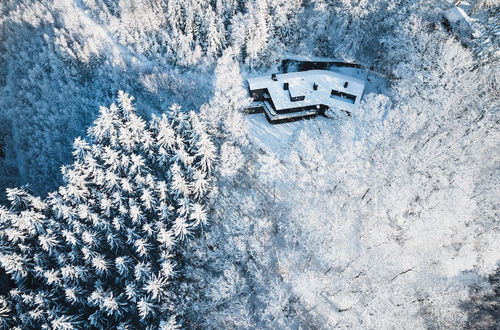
(275, 138)
(270, 137)
(301, 84)
(309, 58)
(456, 14)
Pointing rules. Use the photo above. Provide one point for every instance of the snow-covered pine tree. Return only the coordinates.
(224, 113)
(98, 252)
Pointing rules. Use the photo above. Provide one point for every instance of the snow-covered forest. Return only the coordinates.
(136, 194)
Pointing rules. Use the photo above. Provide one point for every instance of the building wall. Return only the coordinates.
(322, 108)
(252, 110)
(288, 120)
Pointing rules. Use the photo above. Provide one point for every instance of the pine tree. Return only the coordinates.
(99, 251)
(224, 113)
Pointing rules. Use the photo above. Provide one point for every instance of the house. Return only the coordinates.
(295, 95)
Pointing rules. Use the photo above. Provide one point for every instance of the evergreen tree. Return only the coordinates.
(99, 251)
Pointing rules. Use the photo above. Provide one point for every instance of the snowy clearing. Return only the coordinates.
(276, 138)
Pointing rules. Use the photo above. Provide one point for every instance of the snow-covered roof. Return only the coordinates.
(301, 84)
(311, 58)
(297, 90)
(456, 14)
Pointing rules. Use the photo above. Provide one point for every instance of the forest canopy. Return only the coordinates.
(164, 210)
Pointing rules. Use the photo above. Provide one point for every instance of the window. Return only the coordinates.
(297, 98)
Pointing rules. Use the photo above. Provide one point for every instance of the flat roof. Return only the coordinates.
(301, 84)
(297, 90)
(456, 14)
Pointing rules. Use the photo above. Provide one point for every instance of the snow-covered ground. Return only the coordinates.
(275, 138)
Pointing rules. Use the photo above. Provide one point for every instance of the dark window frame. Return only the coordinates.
(343, 95)
(297, 98)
